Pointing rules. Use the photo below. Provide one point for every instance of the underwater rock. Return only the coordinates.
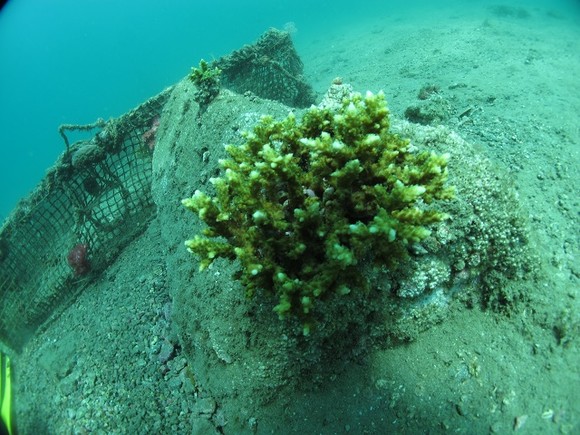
(270, 360)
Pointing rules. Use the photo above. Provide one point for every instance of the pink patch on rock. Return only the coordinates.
(149, 136)
(77, 259)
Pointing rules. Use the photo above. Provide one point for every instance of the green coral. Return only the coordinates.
(207, 81)
(302, 203)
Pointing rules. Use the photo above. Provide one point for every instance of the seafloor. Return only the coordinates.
(509, 83)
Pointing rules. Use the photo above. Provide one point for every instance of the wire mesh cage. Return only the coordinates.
(89, 206)
(97, 197)
(270, 68)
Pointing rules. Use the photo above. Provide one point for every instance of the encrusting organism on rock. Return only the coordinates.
(78, 260)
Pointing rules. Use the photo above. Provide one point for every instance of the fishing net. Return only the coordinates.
(269, 68)
(91, 203)
(97, 197)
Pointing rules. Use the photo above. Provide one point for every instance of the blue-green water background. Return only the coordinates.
(72, 61)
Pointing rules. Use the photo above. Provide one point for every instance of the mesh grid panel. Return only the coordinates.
(96, 196)
(270, 68)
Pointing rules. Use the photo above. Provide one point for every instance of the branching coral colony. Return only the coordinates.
(207, 81)
(302, 204)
